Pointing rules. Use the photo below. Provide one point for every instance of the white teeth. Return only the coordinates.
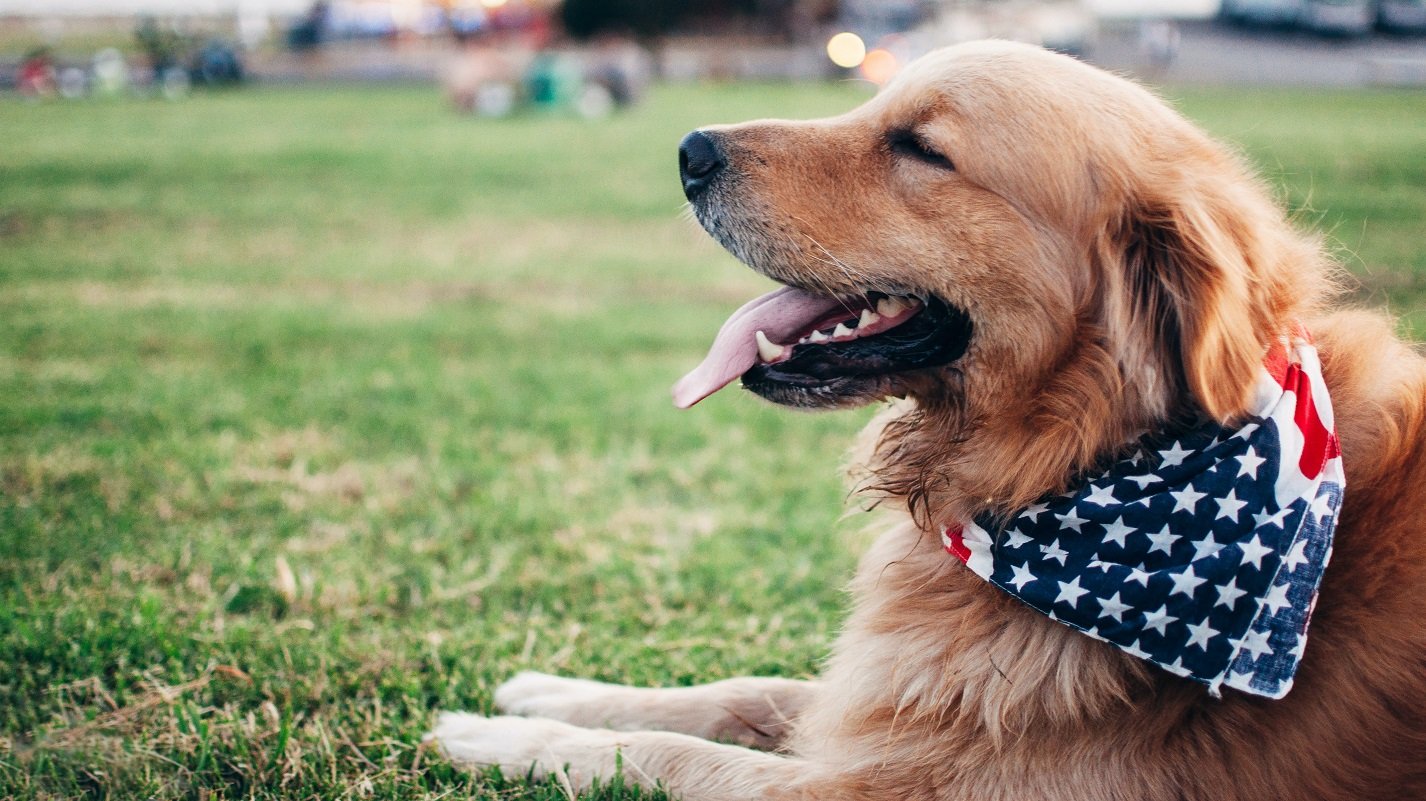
(890, 307)
(769, 351)
(868, 317)
(817, 336)
(841, 330)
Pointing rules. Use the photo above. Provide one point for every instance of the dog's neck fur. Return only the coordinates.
(946, 460)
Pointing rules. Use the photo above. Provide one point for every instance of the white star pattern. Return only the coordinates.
(1277, 598)
(1321, 506)
(1249, 463)
(1296, 556)
(1014, 539)
(1135, 574)
(1228, 594)
(1034, 511)
(1199, 634)
(1022, 577)
(1071, 592)
(1254, 550)
(1144, 480)
(1229, 506)
(1071, 520)
(1263, 519)
(1186, 582)
(1174, 456)
(1116, 532)
(1113, 607)
(1204, 548)
(1054, 551)
(1102, 495)
(1254, 642)
(1187, 498)
(1159, 620)
(1163, 541)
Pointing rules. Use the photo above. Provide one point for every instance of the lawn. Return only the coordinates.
(321, 410)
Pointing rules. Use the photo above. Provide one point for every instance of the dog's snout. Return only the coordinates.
(699, 160)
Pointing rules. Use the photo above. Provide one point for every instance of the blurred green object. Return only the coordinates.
(553, 80)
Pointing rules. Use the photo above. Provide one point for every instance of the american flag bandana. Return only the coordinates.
(1200, 551)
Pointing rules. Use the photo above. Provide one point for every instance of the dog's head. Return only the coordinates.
(1027, 244)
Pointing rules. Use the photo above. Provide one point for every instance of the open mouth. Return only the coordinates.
(790, 345)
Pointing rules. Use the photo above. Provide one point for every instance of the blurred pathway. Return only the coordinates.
(1210, 53)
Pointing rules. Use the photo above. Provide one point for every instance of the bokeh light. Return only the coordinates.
(846, 50)
(879, 66)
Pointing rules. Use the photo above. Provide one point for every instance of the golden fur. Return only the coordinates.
(1123, 270)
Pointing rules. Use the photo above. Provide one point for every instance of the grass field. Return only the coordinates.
(321, 410)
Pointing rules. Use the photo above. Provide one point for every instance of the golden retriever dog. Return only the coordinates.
(1042, 265)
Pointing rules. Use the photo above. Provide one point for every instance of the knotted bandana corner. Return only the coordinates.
(1200, 551)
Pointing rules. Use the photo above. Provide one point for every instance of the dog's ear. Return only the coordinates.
(1191, 261)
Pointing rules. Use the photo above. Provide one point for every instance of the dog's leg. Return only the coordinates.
(755, 712)
(689, 768)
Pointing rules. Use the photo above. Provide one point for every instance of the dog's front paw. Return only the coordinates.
(543, 695)
(516, 745)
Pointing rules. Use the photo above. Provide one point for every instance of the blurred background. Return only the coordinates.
(598, 54)
(336, 339)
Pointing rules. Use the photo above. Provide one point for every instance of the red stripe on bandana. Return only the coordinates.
(1319, 444)
(953, 537)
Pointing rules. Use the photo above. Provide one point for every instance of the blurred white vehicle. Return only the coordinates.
(1338, 17)
(1068, 27)
(1402, 16)
(1262, 12)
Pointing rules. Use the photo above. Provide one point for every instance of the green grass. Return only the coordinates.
(321, 410)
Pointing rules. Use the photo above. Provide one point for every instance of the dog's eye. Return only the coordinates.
(905, 143)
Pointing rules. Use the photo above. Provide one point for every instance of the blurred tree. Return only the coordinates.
(651, 19)
(646, 19)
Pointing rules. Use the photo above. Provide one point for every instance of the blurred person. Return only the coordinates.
(1159, 41)
(162, 47)
(37, 76)
(73, 83)
(466, 22)
(217, 63)
(622, 67)
(311, 30)
(111, 73)
(485, 78)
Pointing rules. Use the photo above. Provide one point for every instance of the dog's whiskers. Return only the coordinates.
(855, 277)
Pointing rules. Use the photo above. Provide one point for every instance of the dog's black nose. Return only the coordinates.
(699, 160)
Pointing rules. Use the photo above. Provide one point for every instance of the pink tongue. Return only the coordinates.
(781, 314)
